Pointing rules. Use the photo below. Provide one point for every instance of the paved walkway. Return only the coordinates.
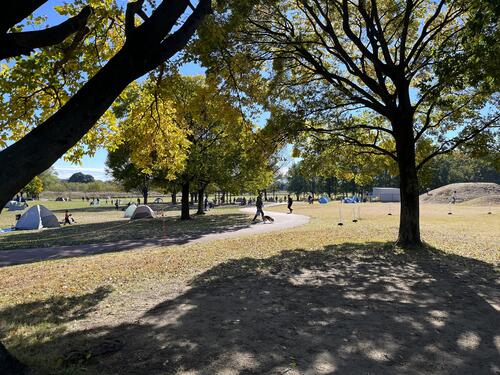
(22, 256)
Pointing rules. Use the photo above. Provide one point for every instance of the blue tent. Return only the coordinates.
(323, 200)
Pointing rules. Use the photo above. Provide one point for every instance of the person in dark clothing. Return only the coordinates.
(290, 202)
(206, 203)
(138, 201)
(117, 204)
(68, 218)
(259, 204)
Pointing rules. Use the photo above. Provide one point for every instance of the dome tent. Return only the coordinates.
(323, 200)
(142, 212)
(158, 200)
(16, 206)
(130, 210)
(37, 217)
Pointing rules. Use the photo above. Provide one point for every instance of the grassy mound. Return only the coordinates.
(473, 193)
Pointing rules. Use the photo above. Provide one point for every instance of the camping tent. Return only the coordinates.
(386, 194)
(130, 210)
(323, 200)
(158, 200)
(142, 212)
(351, 200)
(16, 206)
(37, 217)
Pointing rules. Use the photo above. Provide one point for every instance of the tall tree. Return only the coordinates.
(147, 41)
(297, 182)
(381, 68)
(124, 171)
(222, 145)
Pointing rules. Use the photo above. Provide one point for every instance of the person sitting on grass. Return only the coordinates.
(68, 218)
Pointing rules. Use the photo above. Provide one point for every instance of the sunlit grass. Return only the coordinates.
(134, 276)
(103, 224)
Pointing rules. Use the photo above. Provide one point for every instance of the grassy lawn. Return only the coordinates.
(105, 224)
(267, 303)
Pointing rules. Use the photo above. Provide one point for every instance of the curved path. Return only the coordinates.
(22, 256)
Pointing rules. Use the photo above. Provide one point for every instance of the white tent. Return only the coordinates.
(158, 200)
(386, 194)
(37, 217)
(130, 210)
(16, 206)
(142, 212)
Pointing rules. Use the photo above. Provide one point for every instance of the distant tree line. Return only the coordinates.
(443, 170)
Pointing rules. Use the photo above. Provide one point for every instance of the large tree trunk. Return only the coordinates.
(201, 193)
(145, 48)
(39, 149)
(409, 222)
(185, 202)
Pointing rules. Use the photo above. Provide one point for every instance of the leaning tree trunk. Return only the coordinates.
(40, 148)
(409, 222)
(185, 201)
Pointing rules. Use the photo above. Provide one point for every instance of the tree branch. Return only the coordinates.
(23, 43)
(14, 12)
(458, 141)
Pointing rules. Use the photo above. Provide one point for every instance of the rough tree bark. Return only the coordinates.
(409, 219)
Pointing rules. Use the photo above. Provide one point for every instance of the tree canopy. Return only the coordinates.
(81, 177)
(56, 97)
(394, 78)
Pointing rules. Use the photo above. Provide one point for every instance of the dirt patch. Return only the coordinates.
(473, 193)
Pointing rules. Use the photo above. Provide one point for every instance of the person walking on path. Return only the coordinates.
(259, 204)
(290, 202)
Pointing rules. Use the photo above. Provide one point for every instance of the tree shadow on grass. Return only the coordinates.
(122, 207)
(103, 208)
(347, 309)
(117, 235)
(35, 322)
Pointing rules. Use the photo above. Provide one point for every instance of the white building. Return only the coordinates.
(386, 194)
